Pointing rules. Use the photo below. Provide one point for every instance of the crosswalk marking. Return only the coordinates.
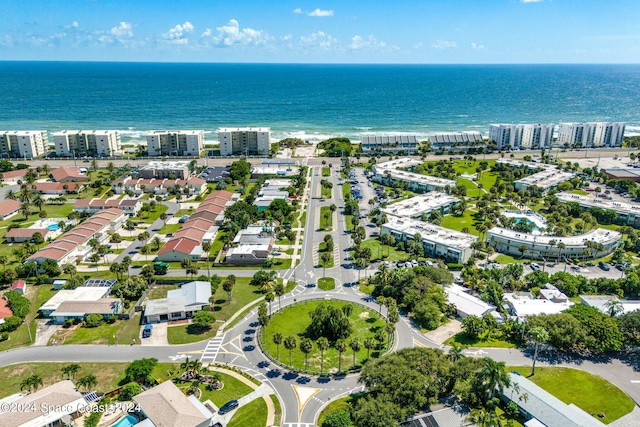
(213, 347)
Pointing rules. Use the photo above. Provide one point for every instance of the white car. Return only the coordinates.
(535, 266)
(414, 263)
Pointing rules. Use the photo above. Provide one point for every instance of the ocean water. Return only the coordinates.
(311, 101)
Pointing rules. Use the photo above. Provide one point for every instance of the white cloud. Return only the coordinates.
(320, 13)
(530, 1)
(287, 37)
(297, 10)
(124, 30)
(357, 42)
(231, 34)
(418, 45)
(177, 34)
(319, 40)
(443, 44)
(206, 33)
(475, 46)
(74, 24)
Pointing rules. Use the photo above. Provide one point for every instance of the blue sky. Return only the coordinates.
(399, 31)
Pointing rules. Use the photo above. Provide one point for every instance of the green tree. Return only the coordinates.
(493, 377)
(290, 343)
(140, 368)
(203, 319)
(369, 344)
(539, 336)
(87, 382)
(70, 371)
(337, 419)
(277, 340)
(323, 345)
(93, 320)
(341, 346)
(306, 347)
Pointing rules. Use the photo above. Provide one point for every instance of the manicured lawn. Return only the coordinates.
(185, 334)
(303, 219)
(346, 189)
(326, 224)
(252, 414)
(590, 393)
(326, 193)
(151, 216)
(107, 374)
(124, 330)
(295, 319)
(327, 283)
(233, 389)
(278, 410)
(379, 251)
(366, 289)
(472, 189)
(326, 171)
(321, 248)
(38, 295)
(467, 220)
(487, 179)
(342, 404)
(217, 245)
(242, 294)
(183, 212)
(160, 291)
(581, 192)
(463, 339)
(508, 259)
(169, 228)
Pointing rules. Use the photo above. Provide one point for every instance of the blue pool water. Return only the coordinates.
(53, 227)
(127, 421)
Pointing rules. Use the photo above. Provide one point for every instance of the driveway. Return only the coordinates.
(158, 335)
(44, 331)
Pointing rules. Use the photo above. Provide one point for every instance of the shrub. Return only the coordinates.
(130, 390)
(112, 319)
(93, 320)
(455, 267)
(68, 323)
(4, 336)
(10, 324)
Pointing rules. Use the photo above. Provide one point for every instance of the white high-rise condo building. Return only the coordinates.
(522, 136)
(23, 143)
(101, 143)
(175, 143)
(244, 141)
(593, 134)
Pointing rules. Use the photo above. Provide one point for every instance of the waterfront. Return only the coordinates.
(312, 102)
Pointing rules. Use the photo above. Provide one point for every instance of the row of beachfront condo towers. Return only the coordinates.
(256, 141)
(106, 143)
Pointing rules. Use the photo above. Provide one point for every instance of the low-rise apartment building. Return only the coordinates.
(454, 139)
(158, 187)
(546, 178)
(130, 206)
(628, 212)
(439, 242)
(596, 243)
(389, 144)
(162, 170)
(387, 173)
(424, 204)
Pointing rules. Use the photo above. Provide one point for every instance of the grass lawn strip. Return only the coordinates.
(379, 251)
(327, 283)
(294, 320)
(588, 392)
(326, 224)
(252, 414)
(463, 339)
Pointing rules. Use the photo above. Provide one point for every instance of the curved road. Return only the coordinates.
(238, 345)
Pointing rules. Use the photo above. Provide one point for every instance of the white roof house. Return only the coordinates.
(601, 303)
(466, 304)
(50, 404)
(544, 407)
(82, 293)
(179, 303)
(523, 305)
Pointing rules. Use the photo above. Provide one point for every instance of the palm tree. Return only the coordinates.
(369, 344)
(87, 382)
(561, 246)
(306, 347)
(484, 418)
(341, 346)
(614, 307)
(126, 263)
(269, 297)
(355, 346)
(290, 343)
(70, 371)
(277, 340)
(493, 376)
(323, 345)
(325, 257)
(145, 250)
(38, 202)
(279, 291)
(156, 242)
(69, 269)
(538, 335)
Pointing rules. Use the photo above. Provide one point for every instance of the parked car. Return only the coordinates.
(575, 268)
(228, 407)
(535, 266)
(603, 265)
(414, 263)
(146, 332)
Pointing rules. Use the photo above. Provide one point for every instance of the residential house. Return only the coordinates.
(21, 235)
(524, 304)
(466, 304)
(180, 303)
(79, 294)
(165, 405)
(9, 208)
(49, 406)
(79, 310)
(68, 174)
(5, 311)
(130, 206)
(12, 177)
(20, 286)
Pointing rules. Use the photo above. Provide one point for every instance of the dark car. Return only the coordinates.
(228, 407)
(603, 265)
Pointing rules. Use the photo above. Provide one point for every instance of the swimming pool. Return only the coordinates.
(127, 421)
(526, 221)
(53, 227)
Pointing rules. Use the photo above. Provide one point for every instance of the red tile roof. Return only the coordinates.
(67, 173)
(5, 311)
(26, 232)
(14, 174)
(198, 223)
(184, 245)
(227, 195)
(9, 206)
(192, 233)
(19, 284)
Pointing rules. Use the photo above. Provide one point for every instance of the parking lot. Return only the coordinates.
(588, 272)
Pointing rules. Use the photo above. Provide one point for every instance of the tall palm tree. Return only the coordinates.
(493, 376)
(484, 418)
(290, 343)
(369, 344)
(538, 335)
(614, 307)
(206, 247)
(306, 347)
(355, 347)
(277, 340)
(341, 346)
(323, 345)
